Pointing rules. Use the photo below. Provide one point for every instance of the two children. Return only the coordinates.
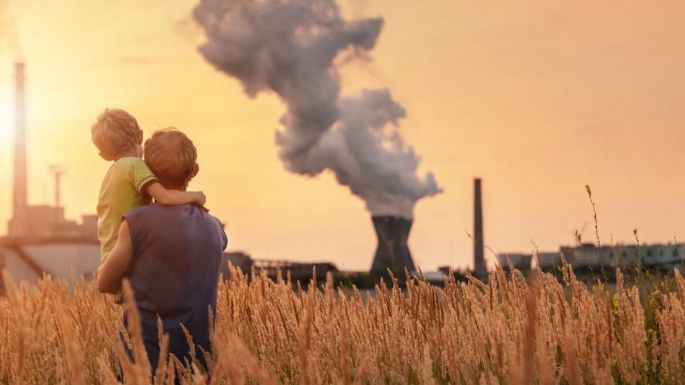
(129, 183)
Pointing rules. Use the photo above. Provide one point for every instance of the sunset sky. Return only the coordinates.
(537, 98)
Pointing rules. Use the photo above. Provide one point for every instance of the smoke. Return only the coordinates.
(289, 47)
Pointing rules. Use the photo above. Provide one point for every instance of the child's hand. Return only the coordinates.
(200, 198)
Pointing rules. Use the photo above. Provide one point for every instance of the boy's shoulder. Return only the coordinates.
(118, 171)
(122, 166)
(128, 162)
(130, 170)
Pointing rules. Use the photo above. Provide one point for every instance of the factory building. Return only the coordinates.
(589, 257)
(296, 271)
(657, 256)
(518, 261)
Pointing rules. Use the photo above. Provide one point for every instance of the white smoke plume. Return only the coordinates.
(289, 47)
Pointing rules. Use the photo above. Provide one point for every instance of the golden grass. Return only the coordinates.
(508, 331)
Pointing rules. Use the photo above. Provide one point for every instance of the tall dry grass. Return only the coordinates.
(511, 330)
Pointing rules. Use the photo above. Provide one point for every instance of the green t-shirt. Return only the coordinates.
(122, 190)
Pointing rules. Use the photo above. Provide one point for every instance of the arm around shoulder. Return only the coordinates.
(167, 197)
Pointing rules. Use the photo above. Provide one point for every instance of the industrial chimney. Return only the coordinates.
(480, 270)
(392, 251)
(18, 225)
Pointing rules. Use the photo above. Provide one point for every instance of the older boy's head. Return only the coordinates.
(116, 134)
(172, 157)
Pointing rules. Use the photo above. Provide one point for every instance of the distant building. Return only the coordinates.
(238, 259)
(47, 243)
(298, 271)
(49, 221)
(549, 260)
(588, 257)
(658, 256)
(29, 259)
(434, 277)
(518, 261)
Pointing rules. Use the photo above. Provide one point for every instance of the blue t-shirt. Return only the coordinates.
(174, 274)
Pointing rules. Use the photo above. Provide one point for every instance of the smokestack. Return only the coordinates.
(19, 223)
(479, 267)
(392, 251)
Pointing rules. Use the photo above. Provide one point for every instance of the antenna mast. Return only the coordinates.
(57, 172)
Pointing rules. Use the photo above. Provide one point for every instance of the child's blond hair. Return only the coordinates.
(116, 132)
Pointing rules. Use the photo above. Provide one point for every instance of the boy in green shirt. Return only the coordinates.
(129, 183)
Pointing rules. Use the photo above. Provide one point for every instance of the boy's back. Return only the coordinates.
(122, 190)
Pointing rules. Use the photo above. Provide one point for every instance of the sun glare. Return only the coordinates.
(6, 115)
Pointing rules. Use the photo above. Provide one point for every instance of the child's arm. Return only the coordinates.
(112, 271)
(167, 197)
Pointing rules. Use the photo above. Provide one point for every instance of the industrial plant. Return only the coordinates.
(587, 259)
(40, 240)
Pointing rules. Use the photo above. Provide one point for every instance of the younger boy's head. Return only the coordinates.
(172, 157)
(116, 134)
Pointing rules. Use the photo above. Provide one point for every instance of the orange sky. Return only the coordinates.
(538, 98)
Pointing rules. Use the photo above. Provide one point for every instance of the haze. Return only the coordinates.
(538, 99)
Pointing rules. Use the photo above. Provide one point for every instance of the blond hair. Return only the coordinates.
(171, 156)
(116, 132)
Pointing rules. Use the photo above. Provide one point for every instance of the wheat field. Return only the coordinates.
(511, 330)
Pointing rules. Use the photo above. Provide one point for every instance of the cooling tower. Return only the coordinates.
(392, 251)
